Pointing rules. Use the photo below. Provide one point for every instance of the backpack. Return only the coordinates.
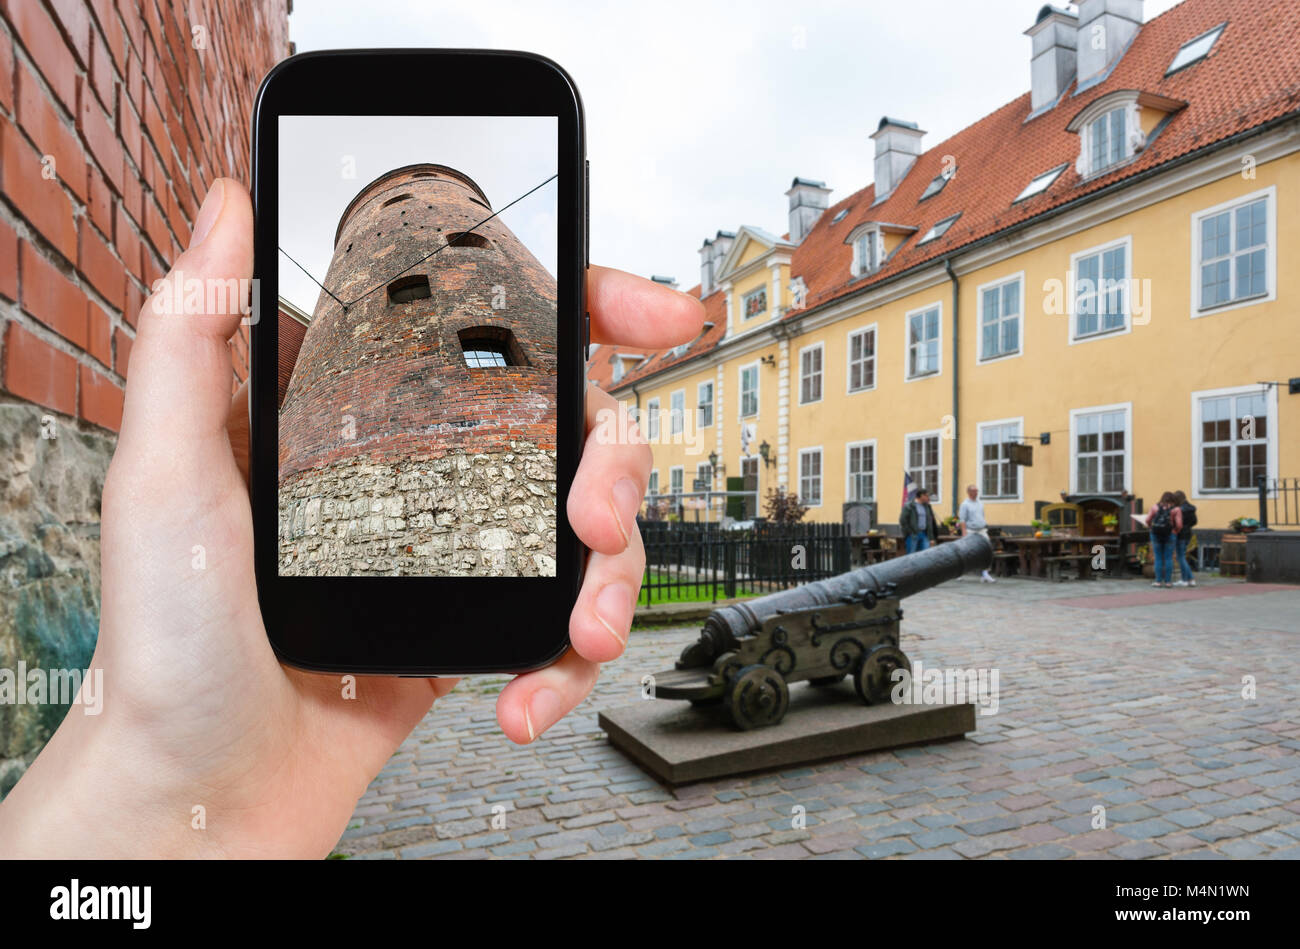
(1162, 522)
(1189, 517)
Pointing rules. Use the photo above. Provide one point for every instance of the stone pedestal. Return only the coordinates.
(678, 743)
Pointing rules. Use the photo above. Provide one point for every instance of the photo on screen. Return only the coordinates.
(417, 346)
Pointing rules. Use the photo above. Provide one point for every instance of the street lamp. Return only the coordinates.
(765, 452)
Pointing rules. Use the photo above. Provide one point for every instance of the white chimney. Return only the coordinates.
(808, 200)
(1053, 66)
(1106, 27)
(711, 254)
(898, 144)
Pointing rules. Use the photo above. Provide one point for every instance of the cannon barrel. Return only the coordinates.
(906, 575)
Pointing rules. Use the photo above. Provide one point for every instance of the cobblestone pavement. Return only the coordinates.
(1112, 695)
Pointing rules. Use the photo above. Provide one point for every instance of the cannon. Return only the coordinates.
(820, 632)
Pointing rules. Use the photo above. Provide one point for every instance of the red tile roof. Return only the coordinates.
(1250, 77)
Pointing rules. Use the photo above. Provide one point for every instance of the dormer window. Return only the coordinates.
(939, 229)
(1193, 51)
(1107, 142)
(1110, 130)
(868, 250)
(754, 303)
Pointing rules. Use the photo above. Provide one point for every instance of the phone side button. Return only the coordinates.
(587, 345)
(586, 206)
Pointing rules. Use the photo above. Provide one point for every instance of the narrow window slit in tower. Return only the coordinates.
(400, 197)
(408, 288)
(490, 347)
(464, 239)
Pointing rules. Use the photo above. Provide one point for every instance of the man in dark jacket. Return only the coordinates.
(1184, 538)
(917, 522)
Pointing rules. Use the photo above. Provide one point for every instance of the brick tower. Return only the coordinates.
(417, 434)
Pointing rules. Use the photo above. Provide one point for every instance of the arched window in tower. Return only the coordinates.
(400, 197)
(408, 288)
(490, 347)
(462, 239)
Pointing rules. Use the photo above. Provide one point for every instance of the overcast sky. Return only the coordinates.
(699, 112)
(506, 156)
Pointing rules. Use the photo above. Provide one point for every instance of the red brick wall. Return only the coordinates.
(291, 334)
(115, 116)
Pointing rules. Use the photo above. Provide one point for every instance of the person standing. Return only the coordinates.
(917, 523)
(1164, 525)
(1184, 537)
(971, 518)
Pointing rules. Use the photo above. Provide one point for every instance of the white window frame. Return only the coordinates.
(934, 233)
(1040, 183)
(1125, 138)
(676, 415)
(678, 473)
(860, 267)
(703, 403)
(652, 484)
(740, 388)
(848, 468)
(875, 358)
(907, 345)
(652, 420)
(1072, 303)
(936, 497)
(821, 476)
(1075, 414)
(1270, 195)
(744, 315)
(1019, 496)
(820, 373)
(706, 467)
(981, 358)
(1270, 397)
(1213, 35)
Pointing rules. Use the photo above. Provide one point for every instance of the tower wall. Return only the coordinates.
(396, 457)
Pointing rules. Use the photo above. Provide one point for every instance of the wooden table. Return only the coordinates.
(1037, 553)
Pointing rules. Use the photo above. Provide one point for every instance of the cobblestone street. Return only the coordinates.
(1111, 694)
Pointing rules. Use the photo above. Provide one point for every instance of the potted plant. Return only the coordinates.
(1041, 528)
(1110, 522)
(949, 524)
(1243, 525)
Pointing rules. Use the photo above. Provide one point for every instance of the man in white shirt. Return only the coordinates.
(971, 518)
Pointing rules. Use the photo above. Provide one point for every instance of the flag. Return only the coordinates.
(909, 488)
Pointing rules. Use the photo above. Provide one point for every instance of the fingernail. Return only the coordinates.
(626, 500)
(613, 608)
(209, 213)
(541, 712)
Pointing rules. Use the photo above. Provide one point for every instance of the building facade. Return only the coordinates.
(417, 431)
(1097, 272)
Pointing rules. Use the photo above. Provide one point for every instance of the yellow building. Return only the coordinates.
(1098, 270)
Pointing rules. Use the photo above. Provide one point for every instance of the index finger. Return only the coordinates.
(634, 311)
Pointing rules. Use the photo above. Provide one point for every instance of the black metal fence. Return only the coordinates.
(1279, 502)
(705, 563)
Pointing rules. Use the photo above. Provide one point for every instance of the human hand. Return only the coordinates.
(198, 712)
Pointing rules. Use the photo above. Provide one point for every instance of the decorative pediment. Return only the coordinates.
(751, 245)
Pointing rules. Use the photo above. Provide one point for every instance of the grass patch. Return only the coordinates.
(687, 592)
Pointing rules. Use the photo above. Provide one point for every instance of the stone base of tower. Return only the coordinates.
(461, 515)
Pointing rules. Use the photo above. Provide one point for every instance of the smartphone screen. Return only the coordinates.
(417, 355)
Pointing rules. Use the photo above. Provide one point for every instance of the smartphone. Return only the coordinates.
(418, 345)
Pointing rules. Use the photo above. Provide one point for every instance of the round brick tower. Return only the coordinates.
(417, 435)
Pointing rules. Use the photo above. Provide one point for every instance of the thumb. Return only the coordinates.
(178, 390)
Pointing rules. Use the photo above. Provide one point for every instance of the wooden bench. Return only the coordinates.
(1082, 565)
(1003, 560)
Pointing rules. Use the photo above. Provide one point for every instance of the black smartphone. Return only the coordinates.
(418, 345)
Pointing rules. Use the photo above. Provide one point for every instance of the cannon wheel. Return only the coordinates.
(823, 681)
(758, 697)
(873, 678)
